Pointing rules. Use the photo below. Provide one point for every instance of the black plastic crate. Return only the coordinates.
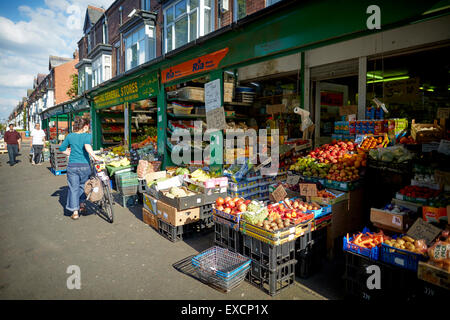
(267, 255)
(304, 241)
(272, 282)
(175, 233)
(206, 211)
(311, 258)
(204, 225)
(228, 238)
(358, 290)
(430, 292)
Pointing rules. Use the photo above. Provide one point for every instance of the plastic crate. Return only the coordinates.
(221, 267)
(267, 255)
(227, 237)
(205, 211)
(230, 224)
(128, 201)
(272, 282)
(310, 257)
(371, 253)
(128, 191)
(173, 233)
(399, 257)
(304, 241)
(126, 179)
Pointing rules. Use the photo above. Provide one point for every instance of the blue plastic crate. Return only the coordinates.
(371, 253)
(401, 258)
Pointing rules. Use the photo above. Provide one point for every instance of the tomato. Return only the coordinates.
(235, 199)
(247, 202)
(231, 204)
(220, 201)
(227, 210)
(220, 208)
(227, 199)
(288, 215)
(293, 215)
(239, 202)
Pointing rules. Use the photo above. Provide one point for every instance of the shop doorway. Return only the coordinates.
(329, 98)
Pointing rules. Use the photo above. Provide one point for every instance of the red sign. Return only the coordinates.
(331, 98)
(201, 64)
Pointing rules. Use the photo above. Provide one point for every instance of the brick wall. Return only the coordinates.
(252, 6)
(255, 5)
(82, 48)
(63, 80)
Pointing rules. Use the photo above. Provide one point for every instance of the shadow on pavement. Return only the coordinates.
(62, 194)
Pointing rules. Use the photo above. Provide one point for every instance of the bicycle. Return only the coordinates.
(106, 203)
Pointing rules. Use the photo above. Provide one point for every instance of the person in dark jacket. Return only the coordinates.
(13, 141)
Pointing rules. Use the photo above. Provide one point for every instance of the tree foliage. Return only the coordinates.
(73, 91)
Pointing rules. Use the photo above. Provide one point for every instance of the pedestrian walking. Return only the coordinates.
(77, 145)
(37, 144)
(13, 141)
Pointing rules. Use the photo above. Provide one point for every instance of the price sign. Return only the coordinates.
(423, 230)
(212, 95)
(215, 119)
(279, 194)
(308, 189)
(292, 179)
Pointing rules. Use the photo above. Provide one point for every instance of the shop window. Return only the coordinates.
(412, 86)
(185, 21)
(139, 47)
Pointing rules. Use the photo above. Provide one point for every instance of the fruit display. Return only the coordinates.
(200, 176)
(373, 143)
(407, 140)
(407, 243)
(232, 206)
(179, 192)
(145, 142)
(331, 153)
(343, 172)
(309, 167)
(255, 213)
(291, 209)
(419, 192)
(325, 194)
(439, 252)
(396, 209)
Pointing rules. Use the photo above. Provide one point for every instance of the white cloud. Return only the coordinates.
(26, 45)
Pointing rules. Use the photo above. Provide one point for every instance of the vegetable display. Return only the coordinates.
(367, 240)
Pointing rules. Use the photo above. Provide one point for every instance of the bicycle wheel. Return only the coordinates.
(107, 203)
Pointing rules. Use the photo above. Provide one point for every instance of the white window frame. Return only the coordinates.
(97, 71)
(200, 21)
(149, 42)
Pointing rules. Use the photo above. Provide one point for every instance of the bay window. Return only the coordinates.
(185, 21)
(139, 46)
(240, 10)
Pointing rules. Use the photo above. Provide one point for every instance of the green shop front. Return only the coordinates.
(124, 113)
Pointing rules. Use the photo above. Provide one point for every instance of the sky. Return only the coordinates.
(30, 31)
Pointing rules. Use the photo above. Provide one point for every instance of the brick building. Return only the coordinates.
(132, 32)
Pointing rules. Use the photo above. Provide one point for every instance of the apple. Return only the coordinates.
(242, 208)
(220, 208)
(227, 210)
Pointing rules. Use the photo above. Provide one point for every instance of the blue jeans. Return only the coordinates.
(13, 150)
(77, 175)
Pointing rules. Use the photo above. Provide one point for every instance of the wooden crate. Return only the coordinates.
(191, 93)
(434, 275)
(423, 136)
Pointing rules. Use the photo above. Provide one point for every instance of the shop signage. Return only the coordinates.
(215, 113)
(402, 91)
(204, 63)
(331, 98)
(138, 89)
(423, 230)
(308, 189)
(279, 194)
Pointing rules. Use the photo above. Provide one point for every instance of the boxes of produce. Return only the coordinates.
(417, 194)
(434, 214)
(330, 197)
(364, 243)
(150, 218)
(392, 216)
(343, 185)
(150, 203)
(426, 132)
(225, 222)
(403, 251)
(181, 198)
(177, 217)
(432, 274)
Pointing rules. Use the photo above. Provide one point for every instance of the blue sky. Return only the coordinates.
(30, 31)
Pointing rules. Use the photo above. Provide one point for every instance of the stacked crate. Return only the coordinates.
(58, 160)
(127, 184)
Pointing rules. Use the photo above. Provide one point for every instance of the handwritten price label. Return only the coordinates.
(292, 179)
(308, 189)
(279, 194)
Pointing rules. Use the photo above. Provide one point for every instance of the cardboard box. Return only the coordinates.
(150, 203)
(347, 110)
(155, 175)
(394, 222)
(433, 214)
(177, 217)
(432, 274)
(276, 108)
(150, 219)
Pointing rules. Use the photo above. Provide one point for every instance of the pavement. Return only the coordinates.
(123, 260)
